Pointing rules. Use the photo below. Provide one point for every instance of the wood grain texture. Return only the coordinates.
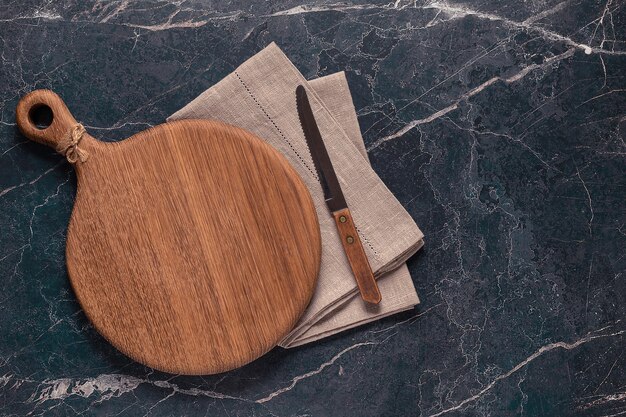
(356, 256)
(193, 247)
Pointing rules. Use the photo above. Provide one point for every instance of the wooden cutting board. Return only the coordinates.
(193, 246)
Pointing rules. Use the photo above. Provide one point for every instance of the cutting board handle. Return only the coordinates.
(42, 116)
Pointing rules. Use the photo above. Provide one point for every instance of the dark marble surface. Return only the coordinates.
(499, 125)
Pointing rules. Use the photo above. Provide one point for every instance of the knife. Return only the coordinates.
(336, 202)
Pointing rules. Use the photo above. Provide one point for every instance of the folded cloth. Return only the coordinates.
(260, 96)
(396, 287)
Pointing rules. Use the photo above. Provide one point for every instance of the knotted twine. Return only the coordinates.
(68, 145)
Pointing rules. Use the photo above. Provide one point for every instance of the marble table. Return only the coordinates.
(500, 126)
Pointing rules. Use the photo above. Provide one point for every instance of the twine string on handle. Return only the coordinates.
(68, 145)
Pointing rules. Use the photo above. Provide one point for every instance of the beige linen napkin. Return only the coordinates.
(260, 96)
(396, 287)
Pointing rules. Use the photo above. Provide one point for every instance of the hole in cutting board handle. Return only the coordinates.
(41, 116)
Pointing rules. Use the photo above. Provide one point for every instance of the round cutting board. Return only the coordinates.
(193, 247)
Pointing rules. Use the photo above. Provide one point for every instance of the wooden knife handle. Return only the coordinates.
(356, 256)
